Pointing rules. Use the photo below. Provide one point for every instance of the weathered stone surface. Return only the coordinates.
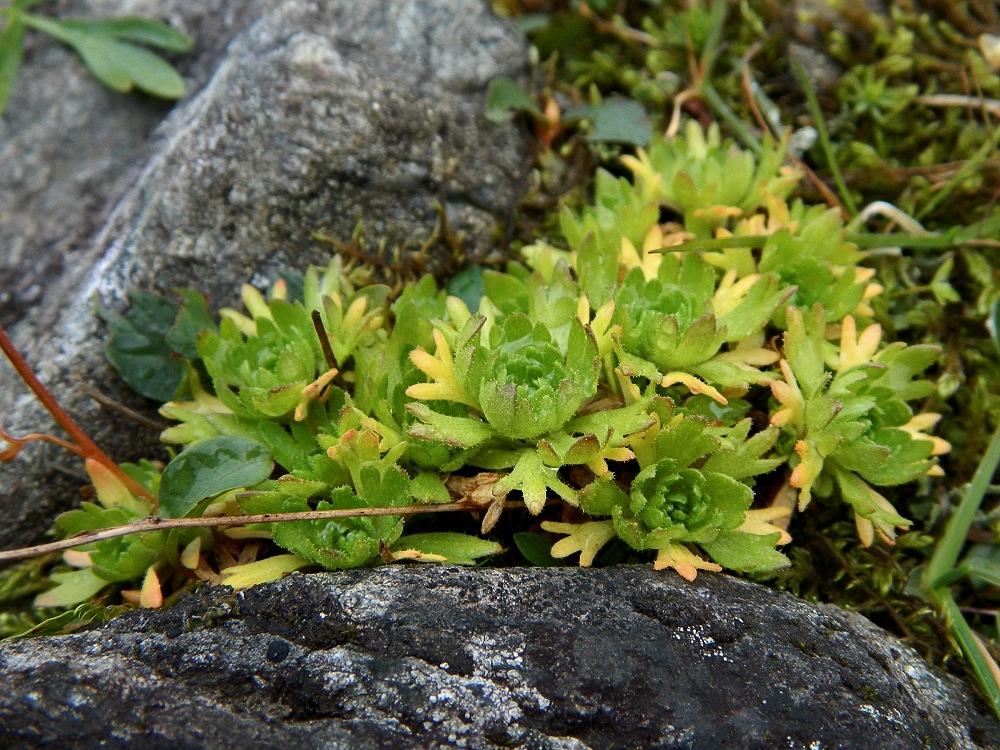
(302, 116)
(69, 148)
(418, 657)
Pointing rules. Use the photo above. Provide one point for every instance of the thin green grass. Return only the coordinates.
(824, 138)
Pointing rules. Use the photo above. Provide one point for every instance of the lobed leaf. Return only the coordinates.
(71, 588)
(505, 96)
(749, 553)
(615, 121)
(138, 347)
(193, 318)
(119, 65)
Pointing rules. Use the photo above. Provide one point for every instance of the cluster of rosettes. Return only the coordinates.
(617, 374)
(772, 307)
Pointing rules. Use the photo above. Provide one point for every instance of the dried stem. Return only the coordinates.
(160, 524)
(748, 89)
(324, 339)
(626, 33)
(958, 100)
(18, 443)
(78, 436)
(120, 408)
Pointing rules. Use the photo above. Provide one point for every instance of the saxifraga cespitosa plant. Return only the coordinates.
(617, 376)
(739, 377)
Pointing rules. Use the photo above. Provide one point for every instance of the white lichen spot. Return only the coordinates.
(696, 636)
(793, 745)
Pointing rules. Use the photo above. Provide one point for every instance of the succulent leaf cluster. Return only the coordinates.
(644, 385)
(853, 424)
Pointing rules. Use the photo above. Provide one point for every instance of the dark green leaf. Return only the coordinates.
(536, 549)
(294, 285)
(567, 34)
(192, 319)
(504, 97)
(983, 564)
(138, 348)
(337, 543)
(11, 52)
(132, 29)
(212, 466)
(467, 285)
(617, 121)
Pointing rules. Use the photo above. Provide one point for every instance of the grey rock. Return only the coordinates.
(419, 657)
(301, 116)
(821, 71)
(71, 148)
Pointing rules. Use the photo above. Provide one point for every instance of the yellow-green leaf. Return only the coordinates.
(454, 548)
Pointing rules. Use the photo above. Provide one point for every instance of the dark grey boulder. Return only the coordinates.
(302, 116)
(421, 657)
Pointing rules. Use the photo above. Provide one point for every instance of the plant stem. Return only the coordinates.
(159, 524)
(78, 436)
(824, 137)
(713, 39)
(324, 339)
(864, 241)
(703, 79)
(740, 130)
(957, 100)
(718, 243)
(901, 239)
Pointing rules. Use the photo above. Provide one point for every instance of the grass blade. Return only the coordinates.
(824, 137)
(950, 545)
(11, 53)
(983, 664)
